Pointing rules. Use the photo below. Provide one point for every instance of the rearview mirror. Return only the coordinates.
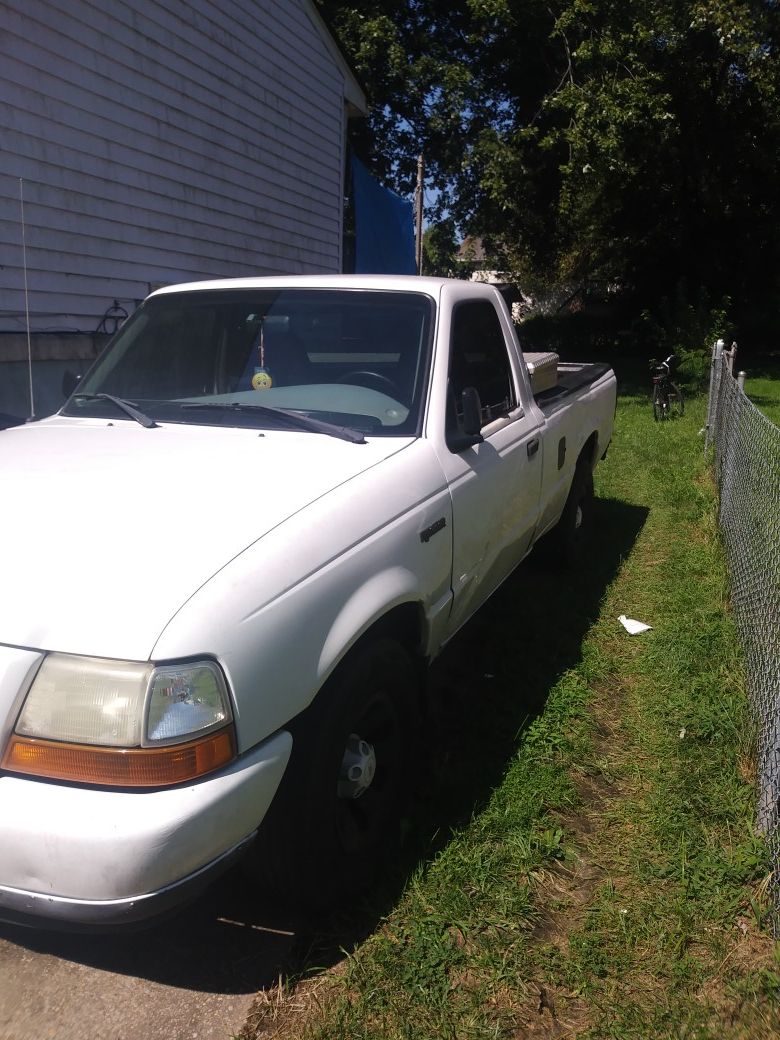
(69, 382)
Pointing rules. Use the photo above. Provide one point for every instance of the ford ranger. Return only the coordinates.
(227, 561)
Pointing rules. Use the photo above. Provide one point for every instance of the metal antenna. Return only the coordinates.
(418, 217)
(26, 300)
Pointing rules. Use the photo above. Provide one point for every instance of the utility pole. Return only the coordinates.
(418, 214)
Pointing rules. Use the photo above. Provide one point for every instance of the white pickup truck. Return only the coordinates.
(226, 561)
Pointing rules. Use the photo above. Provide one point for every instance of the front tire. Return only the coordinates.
(660, 405)
(339, 808)
(676, 400)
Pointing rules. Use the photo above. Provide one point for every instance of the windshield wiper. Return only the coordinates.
(126, 406)
(302, 422)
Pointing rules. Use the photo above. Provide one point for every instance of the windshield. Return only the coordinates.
(350, 357)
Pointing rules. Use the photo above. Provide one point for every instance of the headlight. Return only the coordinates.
(122, 722)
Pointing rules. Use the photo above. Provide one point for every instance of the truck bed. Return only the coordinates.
(572, 377)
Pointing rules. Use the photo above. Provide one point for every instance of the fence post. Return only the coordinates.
(717, 353)
(730, 357)
(766, 814)
(741, 377)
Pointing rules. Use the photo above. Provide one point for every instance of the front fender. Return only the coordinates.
(281, 615)
(366, 606)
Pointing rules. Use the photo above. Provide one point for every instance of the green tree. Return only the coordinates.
(659, 146)
(414, 60)
(440, 248)
(629, 143)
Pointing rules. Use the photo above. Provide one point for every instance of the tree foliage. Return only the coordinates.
(440, 249)
(623, 142)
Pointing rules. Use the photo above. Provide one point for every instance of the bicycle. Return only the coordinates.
(667, 396)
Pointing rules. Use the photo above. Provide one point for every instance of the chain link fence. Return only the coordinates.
(747, 473)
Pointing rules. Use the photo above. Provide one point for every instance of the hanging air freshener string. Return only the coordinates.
(262, 380)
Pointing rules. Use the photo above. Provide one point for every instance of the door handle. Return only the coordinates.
(532, 447)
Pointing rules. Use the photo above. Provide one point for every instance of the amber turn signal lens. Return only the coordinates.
(120, 767)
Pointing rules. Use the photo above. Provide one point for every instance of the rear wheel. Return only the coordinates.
(572, 532)
(340, 805)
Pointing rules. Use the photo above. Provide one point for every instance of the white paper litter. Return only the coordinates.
(633, 627)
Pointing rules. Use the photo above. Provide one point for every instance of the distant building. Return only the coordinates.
(474, 264)
(158, 141)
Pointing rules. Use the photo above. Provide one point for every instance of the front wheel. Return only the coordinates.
(339, 808)
(676, 402)
(660, 404)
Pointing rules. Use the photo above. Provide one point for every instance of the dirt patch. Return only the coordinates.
(551, 1013)
(567, 888)
(733, 1003)
(283, 1012)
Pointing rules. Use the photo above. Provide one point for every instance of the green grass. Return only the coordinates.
(762, 384)
(581, 860)
(764, 392)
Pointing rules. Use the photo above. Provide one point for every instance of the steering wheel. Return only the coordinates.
(365, 377)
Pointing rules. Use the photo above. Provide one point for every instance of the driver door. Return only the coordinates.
(495, 485)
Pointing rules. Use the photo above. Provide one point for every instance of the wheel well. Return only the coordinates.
(404, 623)
(587, 456)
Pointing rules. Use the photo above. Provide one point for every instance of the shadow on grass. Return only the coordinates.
(492, 680)
(760, 400)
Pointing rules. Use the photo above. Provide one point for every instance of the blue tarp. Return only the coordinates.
(384, 227)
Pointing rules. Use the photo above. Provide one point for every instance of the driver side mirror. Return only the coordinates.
(469, 433)
(472, 412)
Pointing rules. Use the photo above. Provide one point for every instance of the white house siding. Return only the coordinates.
(157, 141)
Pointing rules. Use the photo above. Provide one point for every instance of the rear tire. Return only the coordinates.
(572, 532)
(339, 808)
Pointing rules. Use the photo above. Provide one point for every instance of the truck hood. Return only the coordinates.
(106, 529)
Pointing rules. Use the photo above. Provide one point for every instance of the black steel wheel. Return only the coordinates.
(573, 530)
(339, 808)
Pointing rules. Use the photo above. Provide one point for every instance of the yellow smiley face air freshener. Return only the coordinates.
(262, 380)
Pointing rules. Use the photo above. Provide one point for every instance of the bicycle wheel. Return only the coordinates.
(660, 406)
(676, 401)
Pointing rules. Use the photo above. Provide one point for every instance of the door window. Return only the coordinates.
(479, 359)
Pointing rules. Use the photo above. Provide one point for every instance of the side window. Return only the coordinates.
(479, 359)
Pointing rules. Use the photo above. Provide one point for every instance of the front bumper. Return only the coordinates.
(78, 856)
(38, 910)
